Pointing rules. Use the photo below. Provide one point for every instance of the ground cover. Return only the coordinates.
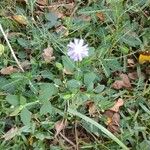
(74, 75)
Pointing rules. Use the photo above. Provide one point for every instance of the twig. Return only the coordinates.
(123, 56)
(56, 5)
(12, 51)
(76, 136)
(65, 138)
(74, 10)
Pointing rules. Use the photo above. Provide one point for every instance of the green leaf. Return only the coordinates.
(79, 99)
(104, 130)
(89, 78)
(73, 84)
(90, 128)
(91, 51)
(145, 108)
(22, 54)
(58, 82)
(6, 85)
(46, 108)
(105, 68)
(124, 49)
(47, 90)
(25, 116)
(52, 20)
(51, 16)
(47, 75)
(145, 145)
(131, 40)
(104, 103)
(103, 49)
(3, 82)
(22, 100)
(67, 96)
(90, 86)
(110, 65)
(16, 111)
(99, 88)
(113, 64)
(12, 99)
(55, 147)
(68, 63)
(23, 42)
(59, 66)
(18, 76)
(88, 10)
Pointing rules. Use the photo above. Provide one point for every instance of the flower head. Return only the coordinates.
(77, 50)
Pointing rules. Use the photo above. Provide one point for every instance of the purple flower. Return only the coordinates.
(77, 50)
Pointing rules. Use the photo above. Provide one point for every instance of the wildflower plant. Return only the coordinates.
(38, 105)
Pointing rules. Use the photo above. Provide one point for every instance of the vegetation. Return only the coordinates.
(49, 101)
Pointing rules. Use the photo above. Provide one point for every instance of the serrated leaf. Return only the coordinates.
(131, 40)
(25, 116)
(110, 65)
(46, 108)
(12, 99)
(105, 68)
(113, 64)
(47, 90)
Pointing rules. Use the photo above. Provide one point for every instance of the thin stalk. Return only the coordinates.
(12, 51)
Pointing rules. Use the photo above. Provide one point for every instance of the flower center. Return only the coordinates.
(78, 49)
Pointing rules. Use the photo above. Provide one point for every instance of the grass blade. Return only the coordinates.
(104, 130)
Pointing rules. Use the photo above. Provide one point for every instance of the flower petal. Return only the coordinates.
(76, 41)
(81, 42)
(71, 44)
